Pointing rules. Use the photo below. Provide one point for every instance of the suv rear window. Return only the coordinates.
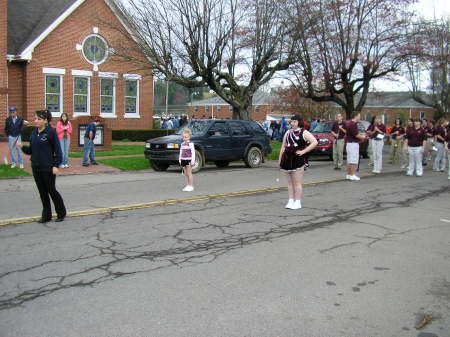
(238, 129)
(255, 127)
(220, 128)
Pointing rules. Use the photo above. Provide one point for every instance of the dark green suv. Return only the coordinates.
(216, 140)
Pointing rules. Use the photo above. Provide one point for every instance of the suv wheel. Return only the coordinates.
(158, 166)
(198, 162)
(222, 163)
(254, 157)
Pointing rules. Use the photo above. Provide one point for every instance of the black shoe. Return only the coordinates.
(43, 220)
(59, 219)
(94, 163)
(337, 168)
(85, 164)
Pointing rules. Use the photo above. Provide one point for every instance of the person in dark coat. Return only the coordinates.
(46, 157)
(13, 128)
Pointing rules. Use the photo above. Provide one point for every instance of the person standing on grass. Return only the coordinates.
(338, 132)
(376, 132)
(64, 130)
(13, 128)
(416, 139)
(46, 157)
(397, 133)
(89, 146)
(352, 138)
(187, 159)
(293, 159)
(439, 135)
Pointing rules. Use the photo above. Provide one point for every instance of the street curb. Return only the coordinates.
(106, 210)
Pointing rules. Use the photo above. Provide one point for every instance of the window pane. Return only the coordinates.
(52, 84)
(80, 103)
(107, 87)
(238, 129)
(106, 104)
(94, 49)
(81, 86)
(52, 102)
(130, 105)
(131, 88)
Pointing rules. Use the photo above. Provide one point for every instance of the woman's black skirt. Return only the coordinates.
(290, 161)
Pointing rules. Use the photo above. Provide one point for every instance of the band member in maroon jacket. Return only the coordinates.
(416, 144)
(352, 138)
(439, 137)
(376, 132)
(429, 132)
(447, 148)
(397, 134)
(405, 154)
(338, 132)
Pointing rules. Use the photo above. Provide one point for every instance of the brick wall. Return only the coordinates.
(3, 64)
(58, 50)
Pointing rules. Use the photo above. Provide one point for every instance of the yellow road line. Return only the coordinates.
(150, 204)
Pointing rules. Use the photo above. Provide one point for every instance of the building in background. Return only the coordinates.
(389, 105)
(57, 54)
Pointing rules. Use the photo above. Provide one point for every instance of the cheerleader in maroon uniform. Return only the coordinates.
(293, 159)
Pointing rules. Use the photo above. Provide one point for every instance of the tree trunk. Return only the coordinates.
(241, 113)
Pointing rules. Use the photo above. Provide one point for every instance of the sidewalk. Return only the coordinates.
(75, 164)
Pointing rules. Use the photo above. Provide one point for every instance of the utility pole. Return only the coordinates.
(167, 97)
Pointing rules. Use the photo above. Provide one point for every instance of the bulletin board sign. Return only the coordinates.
(99, 139)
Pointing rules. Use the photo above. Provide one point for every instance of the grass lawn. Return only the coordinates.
(7, 172)
(117, 150)
(127, 164)
(275, 151)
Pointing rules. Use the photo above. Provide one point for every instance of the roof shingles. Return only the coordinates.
(27, 19)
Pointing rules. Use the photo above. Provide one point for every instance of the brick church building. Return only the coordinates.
(56, 54)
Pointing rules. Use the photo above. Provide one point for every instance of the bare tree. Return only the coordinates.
(232, 46)
(432, 67)
(292, 98)
(353, 42)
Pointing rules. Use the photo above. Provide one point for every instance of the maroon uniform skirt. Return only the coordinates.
(290, 161)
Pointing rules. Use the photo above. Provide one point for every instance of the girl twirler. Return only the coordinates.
(293, 159)
(46, 157)
(187, 159)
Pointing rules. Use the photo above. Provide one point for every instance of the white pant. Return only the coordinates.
(377, 154)
(415, 160)
(448, 157)
(439, 161)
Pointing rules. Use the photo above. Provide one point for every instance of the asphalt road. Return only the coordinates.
(362, 259)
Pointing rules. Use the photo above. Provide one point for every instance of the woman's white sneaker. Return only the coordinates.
(289, 204)
(296, 205)
(355, 178)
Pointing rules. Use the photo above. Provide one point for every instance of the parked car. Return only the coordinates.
(325, 139)
(216, 140)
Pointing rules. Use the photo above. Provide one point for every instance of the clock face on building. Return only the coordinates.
(95, 49)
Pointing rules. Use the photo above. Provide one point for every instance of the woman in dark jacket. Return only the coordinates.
(46, 157)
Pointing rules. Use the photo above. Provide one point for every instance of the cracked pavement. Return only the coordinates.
(360, 259)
